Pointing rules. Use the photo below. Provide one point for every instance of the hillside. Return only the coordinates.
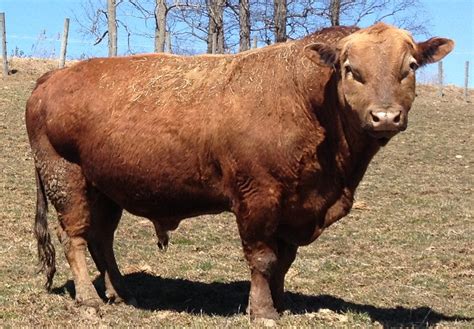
(403, 257)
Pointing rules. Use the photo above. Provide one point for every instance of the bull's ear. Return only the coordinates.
(321, 53)
(433, 50)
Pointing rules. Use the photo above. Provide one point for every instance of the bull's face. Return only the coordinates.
(376, 75)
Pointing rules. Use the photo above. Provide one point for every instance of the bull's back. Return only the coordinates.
(112, 98)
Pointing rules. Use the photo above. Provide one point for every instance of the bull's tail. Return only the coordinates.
(46, 252)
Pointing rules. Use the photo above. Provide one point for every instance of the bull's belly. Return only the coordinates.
(173, 209)
(157, 203)
(150, 177)
(156, 192)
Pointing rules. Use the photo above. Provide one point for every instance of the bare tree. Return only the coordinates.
(335, 12)
(403, 13)
(112, 27)
(196, 23)
(215, 37)
(161, 12)
(191, 21)
(270, 19)
(96, 19)
(244, 24)
(280, 18)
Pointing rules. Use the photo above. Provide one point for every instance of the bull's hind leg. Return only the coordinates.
(66, 189)
(74, 248)
(105, 216)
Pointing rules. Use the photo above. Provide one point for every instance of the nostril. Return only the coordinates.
(396, 119)
(374, 117)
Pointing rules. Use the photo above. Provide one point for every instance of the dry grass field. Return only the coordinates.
(403, 257)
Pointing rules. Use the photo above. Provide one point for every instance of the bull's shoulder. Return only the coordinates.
(331, 34)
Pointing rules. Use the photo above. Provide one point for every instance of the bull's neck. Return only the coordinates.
(352, 148)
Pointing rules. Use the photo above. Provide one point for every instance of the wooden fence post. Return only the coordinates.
(466, 82)
(440, 78)
(3, 33)
(255, 42)
(62, 55)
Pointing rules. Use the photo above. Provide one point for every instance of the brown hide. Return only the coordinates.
(281, 136)
(170, 137)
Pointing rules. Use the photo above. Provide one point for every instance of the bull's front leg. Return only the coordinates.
(268, 264)
(257, 218)
(261, 258)
(286, 255)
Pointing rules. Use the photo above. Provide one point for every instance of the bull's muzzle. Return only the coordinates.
(389, 121)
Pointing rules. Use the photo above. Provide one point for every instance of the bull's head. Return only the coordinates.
(376, 74)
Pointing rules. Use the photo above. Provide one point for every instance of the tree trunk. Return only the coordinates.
(244, 22)
(280, 20)
(169, 48)
(210, 32)
(160, 25)
(216, 25)
(335, 12)
(112, 27)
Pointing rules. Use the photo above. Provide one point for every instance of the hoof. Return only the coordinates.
(162, 247)
(265, 316)
(268, 323)
(89, 302)
(163, 242)
(114, 298)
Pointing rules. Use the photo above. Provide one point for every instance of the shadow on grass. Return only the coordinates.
(217, 298)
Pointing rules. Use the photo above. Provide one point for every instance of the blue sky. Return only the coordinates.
(27, 19)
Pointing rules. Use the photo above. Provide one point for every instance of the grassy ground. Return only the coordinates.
(403, 257)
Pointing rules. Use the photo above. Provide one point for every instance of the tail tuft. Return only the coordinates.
(46, 252)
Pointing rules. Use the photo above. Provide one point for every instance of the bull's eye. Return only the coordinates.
(351, 72)
(348, 69)
(414, 66)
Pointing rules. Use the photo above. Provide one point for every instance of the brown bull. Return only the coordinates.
(281, 136)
